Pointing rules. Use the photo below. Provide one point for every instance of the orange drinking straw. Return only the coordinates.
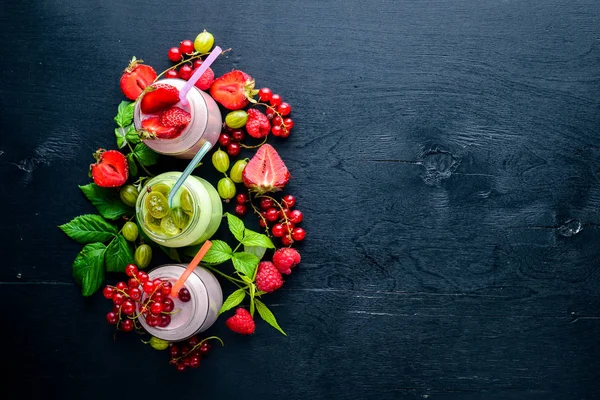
(188, 271)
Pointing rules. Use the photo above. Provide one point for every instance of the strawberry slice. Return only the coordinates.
(176, 117)
(136, 78)
(160, 97)
(266, 171)
(156, 129)
(233, 89)
(110, 169)
(258, 125)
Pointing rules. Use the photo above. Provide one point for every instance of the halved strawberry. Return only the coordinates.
(258, 125)
(233, 89)
(266, 171)
(160, 97)
(155, 128)
(110, 169)
(136, 78)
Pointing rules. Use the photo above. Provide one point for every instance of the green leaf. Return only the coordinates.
(245, 263)
(145, 155)
(267, 315)
(125, 113)
(171, 252)
(233, 300)
(132, 135)
(256, 250)
(236, 226)
(121, 139)
(133, 169)
(89, 228)
(88, 268)
(118, 255)
(252, 238)
(218, 253)
(106, 200)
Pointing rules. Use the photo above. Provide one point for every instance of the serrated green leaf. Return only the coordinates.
(233, 300)
(247, 280)
(89, 228)
(267, 315)
(256, 250)
(218, 253)
(145, 155)
(252, 238)
(245, 263)
(236, 226)
(133, 169)
(106, 200)
(118, 255)
(132, 135)
(125, 114)
(88, 268)
(171, 252)
(120, 135)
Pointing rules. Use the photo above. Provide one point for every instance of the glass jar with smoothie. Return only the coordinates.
(205, 124)
(194, 217)
(191, 314)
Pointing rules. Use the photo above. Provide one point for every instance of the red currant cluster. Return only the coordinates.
(230, 140)
(188, 59)
(276, 111)
(143, 297)
(188, 354)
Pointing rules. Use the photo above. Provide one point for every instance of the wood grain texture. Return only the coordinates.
(446, 158)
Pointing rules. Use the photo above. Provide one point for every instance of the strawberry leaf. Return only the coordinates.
(236, 226)
(252, 238)
(118, 255)
(245, 263)
(106, 200)
(88, 268)
(133, 169)
(89, 228)
(125, 114)
(267, 315)
(233, 300)
(145, 155)
(218, 253)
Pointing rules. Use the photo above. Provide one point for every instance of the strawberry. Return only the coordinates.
(258, 125)
(206, 79)
(266, 171)
(175, 117)
(136, 78)
(233, 90)
(160, 97)
(153, 126)
(110, 169)
(241, 322)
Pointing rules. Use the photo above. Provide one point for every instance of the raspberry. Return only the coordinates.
(268, 277)
(241, 322)
(285, 259)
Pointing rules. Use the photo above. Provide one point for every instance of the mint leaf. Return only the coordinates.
(256, 250)
(89, 228)
(233, 300)
(267, 315)
(106, 200)
(132, 136)
(118, 255)
(125, 114)
(88, 268)
(236, 226)
(133, 169)
(120, 135)
(145, 155)
(245, 263)
(252, 238)
(171, 253)
(218, 253)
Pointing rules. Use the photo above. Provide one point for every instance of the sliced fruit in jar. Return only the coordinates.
(162, 188)
(153, 126)
(175, 117)
(179, 217)
(153, 224)
(159, 98)
(186, 201)
(168, 226)
(156, 204)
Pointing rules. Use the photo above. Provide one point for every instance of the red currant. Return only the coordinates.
(121, 285)
(132, 283)
(112, 318)
(240, 210)
(131, 270)
(174, 54)
(295, 216)
(270, 112)
(180, 367)
(186, 47)
(272, 215)
(167, 304)
(286, 240)
(116, 309)
(204, 348)
(275, 100)
(165, 289)
(233, 149)
(142, 277)
(266, 203)
(185, 350)
(153, 320)
(148, 287)
(185, 72)
(277, 120)
(128, 307)
(165, 320)
(284, 109)
(262, 223)
(289, 200)
(156, 308)
(135, 293)
(157, 282)
(127, 325)
(224, 139)
(193, 341)
(298, 234)
(285, 133)
(184, 295)
(284, 213)
(288, 227)
(172, 73)
(197, 63)
(118, 298)
(108, 292)
(276, 130)
(288, 123)
(157, 297)
(277, 230)
(173, 351)
(265, 94)
(195, 362)
(237, 135)
(241, 198)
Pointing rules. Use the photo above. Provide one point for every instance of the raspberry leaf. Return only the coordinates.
(125, 114)
(256, 250)
(236, 226)
(218, 253)
(88, 268)
(145, 155)
(245, 263)
(133, 169)
(233, 300)
(106, 200)
(252, 238)
(89, 228)
(118, 255)
(267, 315)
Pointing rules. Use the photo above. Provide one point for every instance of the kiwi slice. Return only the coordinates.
(156, 204)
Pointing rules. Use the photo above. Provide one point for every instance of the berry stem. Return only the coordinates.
(141, 165)
(233, 280)
(255, 147)
(276, 112)
(285, 217)
(197, 346)
(191, 57)
(264, 220)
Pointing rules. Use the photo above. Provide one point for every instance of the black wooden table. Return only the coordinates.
(445, 155)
